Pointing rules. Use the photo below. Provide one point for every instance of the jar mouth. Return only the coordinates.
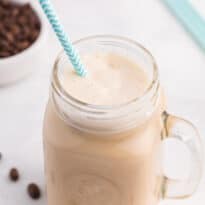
(60, 90)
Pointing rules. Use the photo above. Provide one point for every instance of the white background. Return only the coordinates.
(182, 72)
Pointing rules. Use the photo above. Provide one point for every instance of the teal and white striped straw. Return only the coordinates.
(190, 19)
(63, 37)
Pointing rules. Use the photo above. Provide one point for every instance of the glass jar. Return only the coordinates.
(111, 155)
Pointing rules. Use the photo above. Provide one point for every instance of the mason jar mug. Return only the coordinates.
(111, 155)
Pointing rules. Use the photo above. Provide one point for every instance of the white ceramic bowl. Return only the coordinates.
(22, 64)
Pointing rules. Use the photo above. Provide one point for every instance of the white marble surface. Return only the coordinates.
(181, 64)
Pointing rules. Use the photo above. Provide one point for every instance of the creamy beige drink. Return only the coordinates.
(102, 133)
(87, 169)
(112, 79)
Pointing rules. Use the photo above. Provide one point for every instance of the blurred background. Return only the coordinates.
(180, 60)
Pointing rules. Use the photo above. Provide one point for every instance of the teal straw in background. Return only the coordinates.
(190, 19)
(63, 37)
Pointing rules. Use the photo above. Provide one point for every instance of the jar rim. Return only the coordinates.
(60, 90)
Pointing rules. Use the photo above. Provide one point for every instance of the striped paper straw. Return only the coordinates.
(63, 37)
(190, 19)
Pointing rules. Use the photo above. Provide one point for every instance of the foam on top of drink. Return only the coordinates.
(112, 79)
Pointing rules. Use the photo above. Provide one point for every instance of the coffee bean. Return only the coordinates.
(2, 12)
(15, 12)
(4, 54)
(22, 20)
(5, 3)
(33, 36)
(7, 21)
(15, 51)
(10, 37)
(4, 31)
(4, 45)
(14, 174)
(33, 191)
(19, 27)
(26, 32)
(23, 45)
(15, 30)
(37, 25)
(1, 24)
(26, 7)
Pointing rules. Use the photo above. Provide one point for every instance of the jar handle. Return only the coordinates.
(186, 133)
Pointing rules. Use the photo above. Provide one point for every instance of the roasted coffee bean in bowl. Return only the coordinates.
(19, 27)
(22, 40)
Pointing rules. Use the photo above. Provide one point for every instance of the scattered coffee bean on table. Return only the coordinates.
(34, 191)
(19, 27)
(14, 174)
